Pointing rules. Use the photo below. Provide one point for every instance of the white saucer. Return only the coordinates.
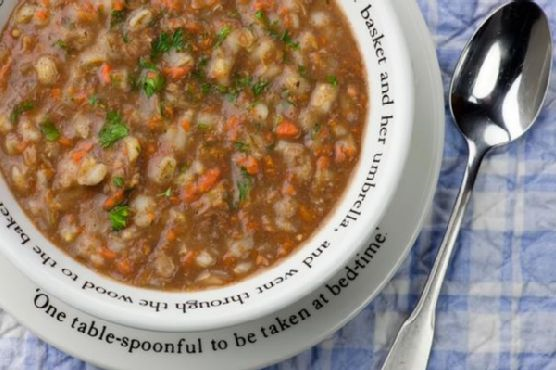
(308, 323)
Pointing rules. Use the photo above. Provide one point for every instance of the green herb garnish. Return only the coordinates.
(203, 127)
(167, 193)
(118, 217)
(286, 37)
(62, 45)
(206, 87)
(178, 40)
(153, 83)
(50, 131)
(222, 35)
(259, 87)
(117, 17)
(244, 185)
(241, 146)
(166, 42)
(93, 100)
(19, 109)
(260, 15)
(113, 130)
(118, 182)
(332, 80)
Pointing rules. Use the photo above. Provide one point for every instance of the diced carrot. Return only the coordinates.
(176, 73)
(118, 5)
(287, 130)
(124, 266)
(155, 122)
(42, 14)
(189, 258)
(288, 189)
(190, 192)
(81, 152)
(204, 184)
(171, 235)
(107, 253)
(104, 74)
(186, 124)
(323, 162)
(114, 200)
(209, 179)
(250, 163)
(78, 156)
(232, 127)
(151, 148)
(56, 94)
(263, 5)
(65, 141)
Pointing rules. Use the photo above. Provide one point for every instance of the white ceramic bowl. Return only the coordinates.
(374, 181)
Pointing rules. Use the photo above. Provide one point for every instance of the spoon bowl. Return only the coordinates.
(501, 80)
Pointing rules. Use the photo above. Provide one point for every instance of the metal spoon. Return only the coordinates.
(497, 92)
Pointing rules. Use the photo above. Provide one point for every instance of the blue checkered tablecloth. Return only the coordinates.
(498, 307)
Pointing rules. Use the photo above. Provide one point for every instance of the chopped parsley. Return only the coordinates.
(153, 83)
(222, 35)
(118, 182)
(273, 29)
(62, 45)
(286, 37)
(203, 127)
(166, 42)
(259, 87)
(244, 186)
(332, 80)
(241, 146)
(117, 17)
(19, 109)
(206, 88)
(167, 193)
(178, 40)
(113, 130)
(50, 132)
(119, 217)
(239, 84)
(93, 100)
(260, 15)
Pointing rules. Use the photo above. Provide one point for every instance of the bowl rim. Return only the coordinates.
(271, 302)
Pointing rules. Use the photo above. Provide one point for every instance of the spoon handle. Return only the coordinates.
(412, 347)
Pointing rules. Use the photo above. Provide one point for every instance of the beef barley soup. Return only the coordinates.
(179, 145)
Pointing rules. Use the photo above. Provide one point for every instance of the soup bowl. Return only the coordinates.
(342, 234)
